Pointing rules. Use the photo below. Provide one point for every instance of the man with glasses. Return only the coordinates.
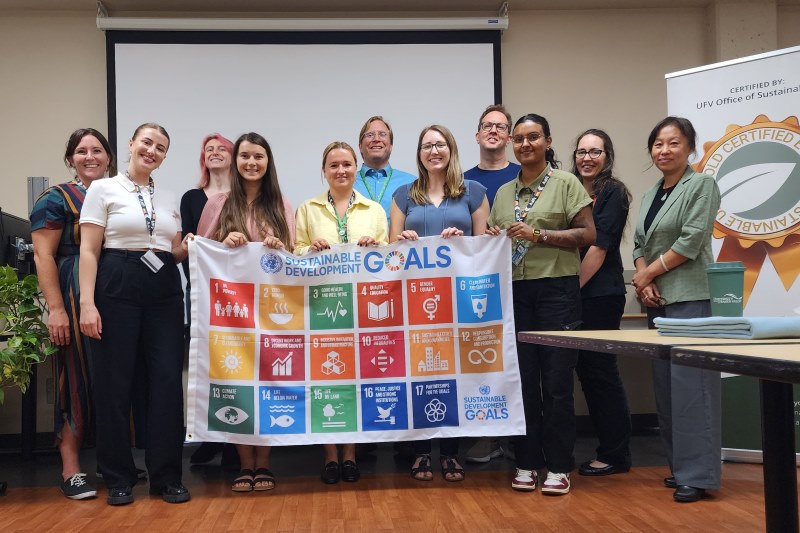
(494, 169)
(376, 179)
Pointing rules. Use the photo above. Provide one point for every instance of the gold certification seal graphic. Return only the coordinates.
(757, 169)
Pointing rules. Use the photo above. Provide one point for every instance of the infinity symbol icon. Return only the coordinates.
(487, 356)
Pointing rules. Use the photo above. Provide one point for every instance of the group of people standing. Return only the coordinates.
(119, 318)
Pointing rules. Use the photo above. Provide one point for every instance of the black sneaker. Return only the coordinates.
(78, 488)
(119, 496)
(172, 493)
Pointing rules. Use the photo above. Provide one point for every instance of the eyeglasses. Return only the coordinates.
(502, 127)
(372, 134)
(427, 147)
(594, 153)
(532, 138)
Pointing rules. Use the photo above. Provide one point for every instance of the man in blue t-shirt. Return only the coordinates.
(494, 134)
(494, 169)
(376, 179)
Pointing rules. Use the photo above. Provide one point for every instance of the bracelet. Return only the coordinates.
(544, 235)
(663, 263)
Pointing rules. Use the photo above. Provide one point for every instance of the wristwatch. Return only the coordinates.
(537, 234)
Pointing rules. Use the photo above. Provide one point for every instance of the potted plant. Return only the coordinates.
(27, 340)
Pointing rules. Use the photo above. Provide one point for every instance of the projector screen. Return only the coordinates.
(299, 90)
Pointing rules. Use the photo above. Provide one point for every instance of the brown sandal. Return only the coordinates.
(244, 481)
(263, 479)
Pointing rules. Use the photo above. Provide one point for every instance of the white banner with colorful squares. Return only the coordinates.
(400, 342)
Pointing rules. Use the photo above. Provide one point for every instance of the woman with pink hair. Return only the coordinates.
(215, 177)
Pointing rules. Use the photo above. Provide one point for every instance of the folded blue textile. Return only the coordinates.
(759, 327)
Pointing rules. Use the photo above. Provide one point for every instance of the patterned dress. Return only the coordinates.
(58, 208)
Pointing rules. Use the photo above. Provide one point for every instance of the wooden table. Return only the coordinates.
(775, 361)
(632, 342)
(777, 366)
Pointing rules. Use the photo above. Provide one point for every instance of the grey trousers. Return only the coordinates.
(689, 407)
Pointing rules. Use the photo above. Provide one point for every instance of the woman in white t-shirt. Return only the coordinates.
(132, 310)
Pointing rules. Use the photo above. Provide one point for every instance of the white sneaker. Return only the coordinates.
(556, 484)
(525, 480)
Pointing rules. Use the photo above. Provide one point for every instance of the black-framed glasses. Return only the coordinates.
(502, 127)
(532, 138)
(372, 134)
(427, 147)
(594, 153)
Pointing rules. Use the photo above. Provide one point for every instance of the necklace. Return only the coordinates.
(341, 222)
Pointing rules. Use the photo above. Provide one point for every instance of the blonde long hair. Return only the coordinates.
(454, 176)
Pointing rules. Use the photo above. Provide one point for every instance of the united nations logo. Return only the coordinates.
(271, 263)
(484, 389)
(757, 169)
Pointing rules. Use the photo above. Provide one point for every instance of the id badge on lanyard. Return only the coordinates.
(519, 252)
(152, 261)
(150, 258)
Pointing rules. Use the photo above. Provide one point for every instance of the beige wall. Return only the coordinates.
(601, 69)
(788, 26)
(53, 79)
(580, 69)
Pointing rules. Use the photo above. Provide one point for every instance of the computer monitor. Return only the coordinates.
(16, 249)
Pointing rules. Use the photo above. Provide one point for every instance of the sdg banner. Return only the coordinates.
(409, 341)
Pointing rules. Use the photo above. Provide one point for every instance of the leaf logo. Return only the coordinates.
(752, 185)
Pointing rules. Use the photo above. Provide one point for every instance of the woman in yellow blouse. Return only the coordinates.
(339, 216)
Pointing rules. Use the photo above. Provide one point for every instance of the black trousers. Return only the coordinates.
(602, 386)
(546, 373)
(447, 446)
(142, 319)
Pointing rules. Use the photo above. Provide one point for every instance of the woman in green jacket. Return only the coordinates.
(672, 246)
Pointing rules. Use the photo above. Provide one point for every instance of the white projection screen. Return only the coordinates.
(300, 90)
